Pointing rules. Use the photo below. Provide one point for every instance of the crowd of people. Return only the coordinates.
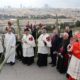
(64, 48)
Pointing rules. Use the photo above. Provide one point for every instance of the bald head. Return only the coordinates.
(65, 35)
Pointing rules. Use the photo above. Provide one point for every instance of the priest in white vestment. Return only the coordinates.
(28, 47)
(10, 45)
(44, 44)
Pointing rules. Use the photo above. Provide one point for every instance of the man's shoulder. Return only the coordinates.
(6, 34)
(30, 35)
(47, 35)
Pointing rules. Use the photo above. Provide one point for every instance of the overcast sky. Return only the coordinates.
(41, 3)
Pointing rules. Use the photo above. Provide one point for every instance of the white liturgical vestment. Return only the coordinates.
(28, 44)
(9, 43)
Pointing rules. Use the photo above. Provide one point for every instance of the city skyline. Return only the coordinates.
(40, 3)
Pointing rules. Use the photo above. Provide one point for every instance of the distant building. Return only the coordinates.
(46, 6)
(68, 21)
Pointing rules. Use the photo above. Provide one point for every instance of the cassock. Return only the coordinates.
(56, 40)
(44, 44)
(28, 51)
(63, 57)
(19, 50)
(9, 43)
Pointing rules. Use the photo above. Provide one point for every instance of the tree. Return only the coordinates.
(77, 23)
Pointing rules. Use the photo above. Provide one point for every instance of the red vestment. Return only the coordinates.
(76, 49)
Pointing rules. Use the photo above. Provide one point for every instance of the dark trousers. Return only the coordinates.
(42, 60)
(1, 57)
(19, 51)
(54, 58)
(28, 60)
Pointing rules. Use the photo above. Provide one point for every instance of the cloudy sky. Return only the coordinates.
(41, 3)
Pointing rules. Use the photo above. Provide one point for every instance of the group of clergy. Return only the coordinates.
(64, 48)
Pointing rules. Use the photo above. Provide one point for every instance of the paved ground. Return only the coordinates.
(33, 72)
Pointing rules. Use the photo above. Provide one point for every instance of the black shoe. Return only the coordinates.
(53, 65)
(12, 63)
(20, 59)
(50, 63)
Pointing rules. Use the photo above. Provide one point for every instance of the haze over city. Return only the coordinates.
(40, 3)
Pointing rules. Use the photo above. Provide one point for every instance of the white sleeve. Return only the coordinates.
(32, 41)
(47, 39)
(13, 42)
